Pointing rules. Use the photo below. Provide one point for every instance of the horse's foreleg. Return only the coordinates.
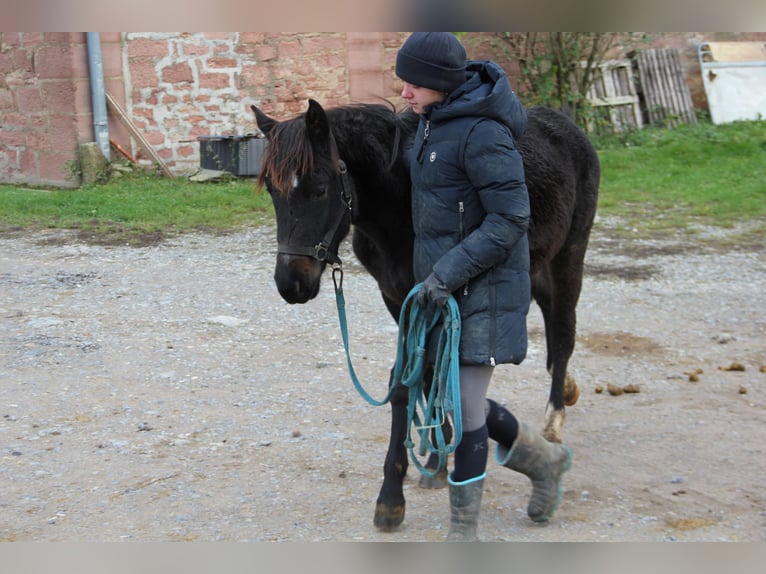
(439, 480)
(390, 506)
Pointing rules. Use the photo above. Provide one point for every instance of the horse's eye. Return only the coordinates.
(321, 191)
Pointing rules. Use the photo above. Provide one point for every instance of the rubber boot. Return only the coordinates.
(544, 463)
(465, 502)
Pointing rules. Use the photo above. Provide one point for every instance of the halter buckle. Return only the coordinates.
(321, 250)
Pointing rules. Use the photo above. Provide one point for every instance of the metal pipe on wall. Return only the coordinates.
(97, 92)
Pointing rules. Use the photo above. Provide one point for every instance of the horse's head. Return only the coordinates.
(311, 192)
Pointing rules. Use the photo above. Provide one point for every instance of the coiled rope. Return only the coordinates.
(425, 414)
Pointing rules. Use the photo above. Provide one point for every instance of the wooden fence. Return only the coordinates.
(648, 88)
(666, 96)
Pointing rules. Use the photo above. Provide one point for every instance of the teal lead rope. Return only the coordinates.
(425, 414)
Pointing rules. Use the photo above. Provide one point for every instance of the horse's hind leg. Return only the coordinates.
(557, 290)
(390, 506)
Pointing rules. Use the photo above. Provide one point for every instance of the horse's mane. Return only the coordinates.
(374, 131)
(289, 152)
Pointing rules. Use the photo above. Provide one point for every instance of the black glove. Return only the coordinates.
(434, 291)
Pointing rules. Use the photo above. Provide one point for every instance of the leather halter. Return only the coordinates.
(321, 251)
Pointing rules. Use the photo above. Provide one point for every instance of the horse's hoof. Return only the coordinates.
(434, 482)
(388, 518)
(571, 391)
(552, 436)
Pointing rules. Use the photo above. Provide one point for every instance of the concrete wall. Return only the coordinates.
(178, 86)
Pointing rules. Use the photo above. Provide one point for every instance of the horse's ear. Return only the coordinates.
(265, 123)
(317, 126)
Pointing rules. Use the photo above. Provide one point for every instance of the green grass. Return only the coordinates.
(138, 204)
(654, 180)
(665, 179)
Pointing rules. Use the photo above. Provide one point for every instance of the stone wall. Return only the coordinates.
(176, 87)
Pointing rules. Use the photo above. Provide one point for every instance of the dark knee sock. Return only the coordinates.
(503, 426)
(471, 455)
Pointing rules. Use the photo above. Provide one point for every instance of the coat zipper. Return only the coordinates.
(426, 135)
(461, 211)
(492, 319)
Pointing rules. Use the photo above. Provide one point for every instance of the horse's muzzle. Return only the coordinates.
(298, 277)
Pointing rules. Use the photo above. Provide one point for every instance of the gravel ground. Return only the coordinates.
(167, 393)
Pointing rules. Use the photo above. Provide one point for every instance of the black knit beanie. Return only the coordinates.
(434, 60)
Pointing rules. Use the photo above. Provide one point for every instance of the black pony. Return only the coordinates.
(327, 170)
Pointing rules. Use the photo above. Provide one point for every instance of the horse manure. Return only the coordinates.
(742, 390)
(763, 368)
(599, 389)
(733, 367)
(694, 375)
(614, 390)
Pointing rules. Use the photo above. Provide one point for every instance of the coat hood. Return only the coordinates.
(486, 92)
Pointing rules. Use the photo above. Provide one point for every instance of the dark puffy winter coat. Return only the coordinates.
(470, 210)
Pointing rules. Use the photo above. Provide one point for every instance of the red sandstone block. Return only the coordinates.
(59, 96)
(6, 63)
(254, 76)
(83, 131)
(155, 138)
(198, 130)
(6, 99)
(222, 63)
(214, 81)
(147, 47)
(31, 38)
(364, 60)
(316, 44)
(39, 140)
(53, 166)
(289, 49)
(28, 162)
(186, 151)
(19, 78)
(265, 53)
(252, 37)
(29, 100)
(177, 73)
(110, 38)
(61, 61)
(15, 138)
(191, 48)
(63, 38)
(38, 122)
(111, 56)
(15, 121)
(83, 100)
(143, 74)
(217, 35)
(22, 60)
(62, 129)
(13, 39)
(143, 112)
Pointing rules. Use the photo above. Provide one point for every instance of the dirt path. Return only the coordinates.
(167, 393)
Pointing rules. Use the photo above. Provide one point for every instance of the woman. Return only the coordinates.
(470, 210)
